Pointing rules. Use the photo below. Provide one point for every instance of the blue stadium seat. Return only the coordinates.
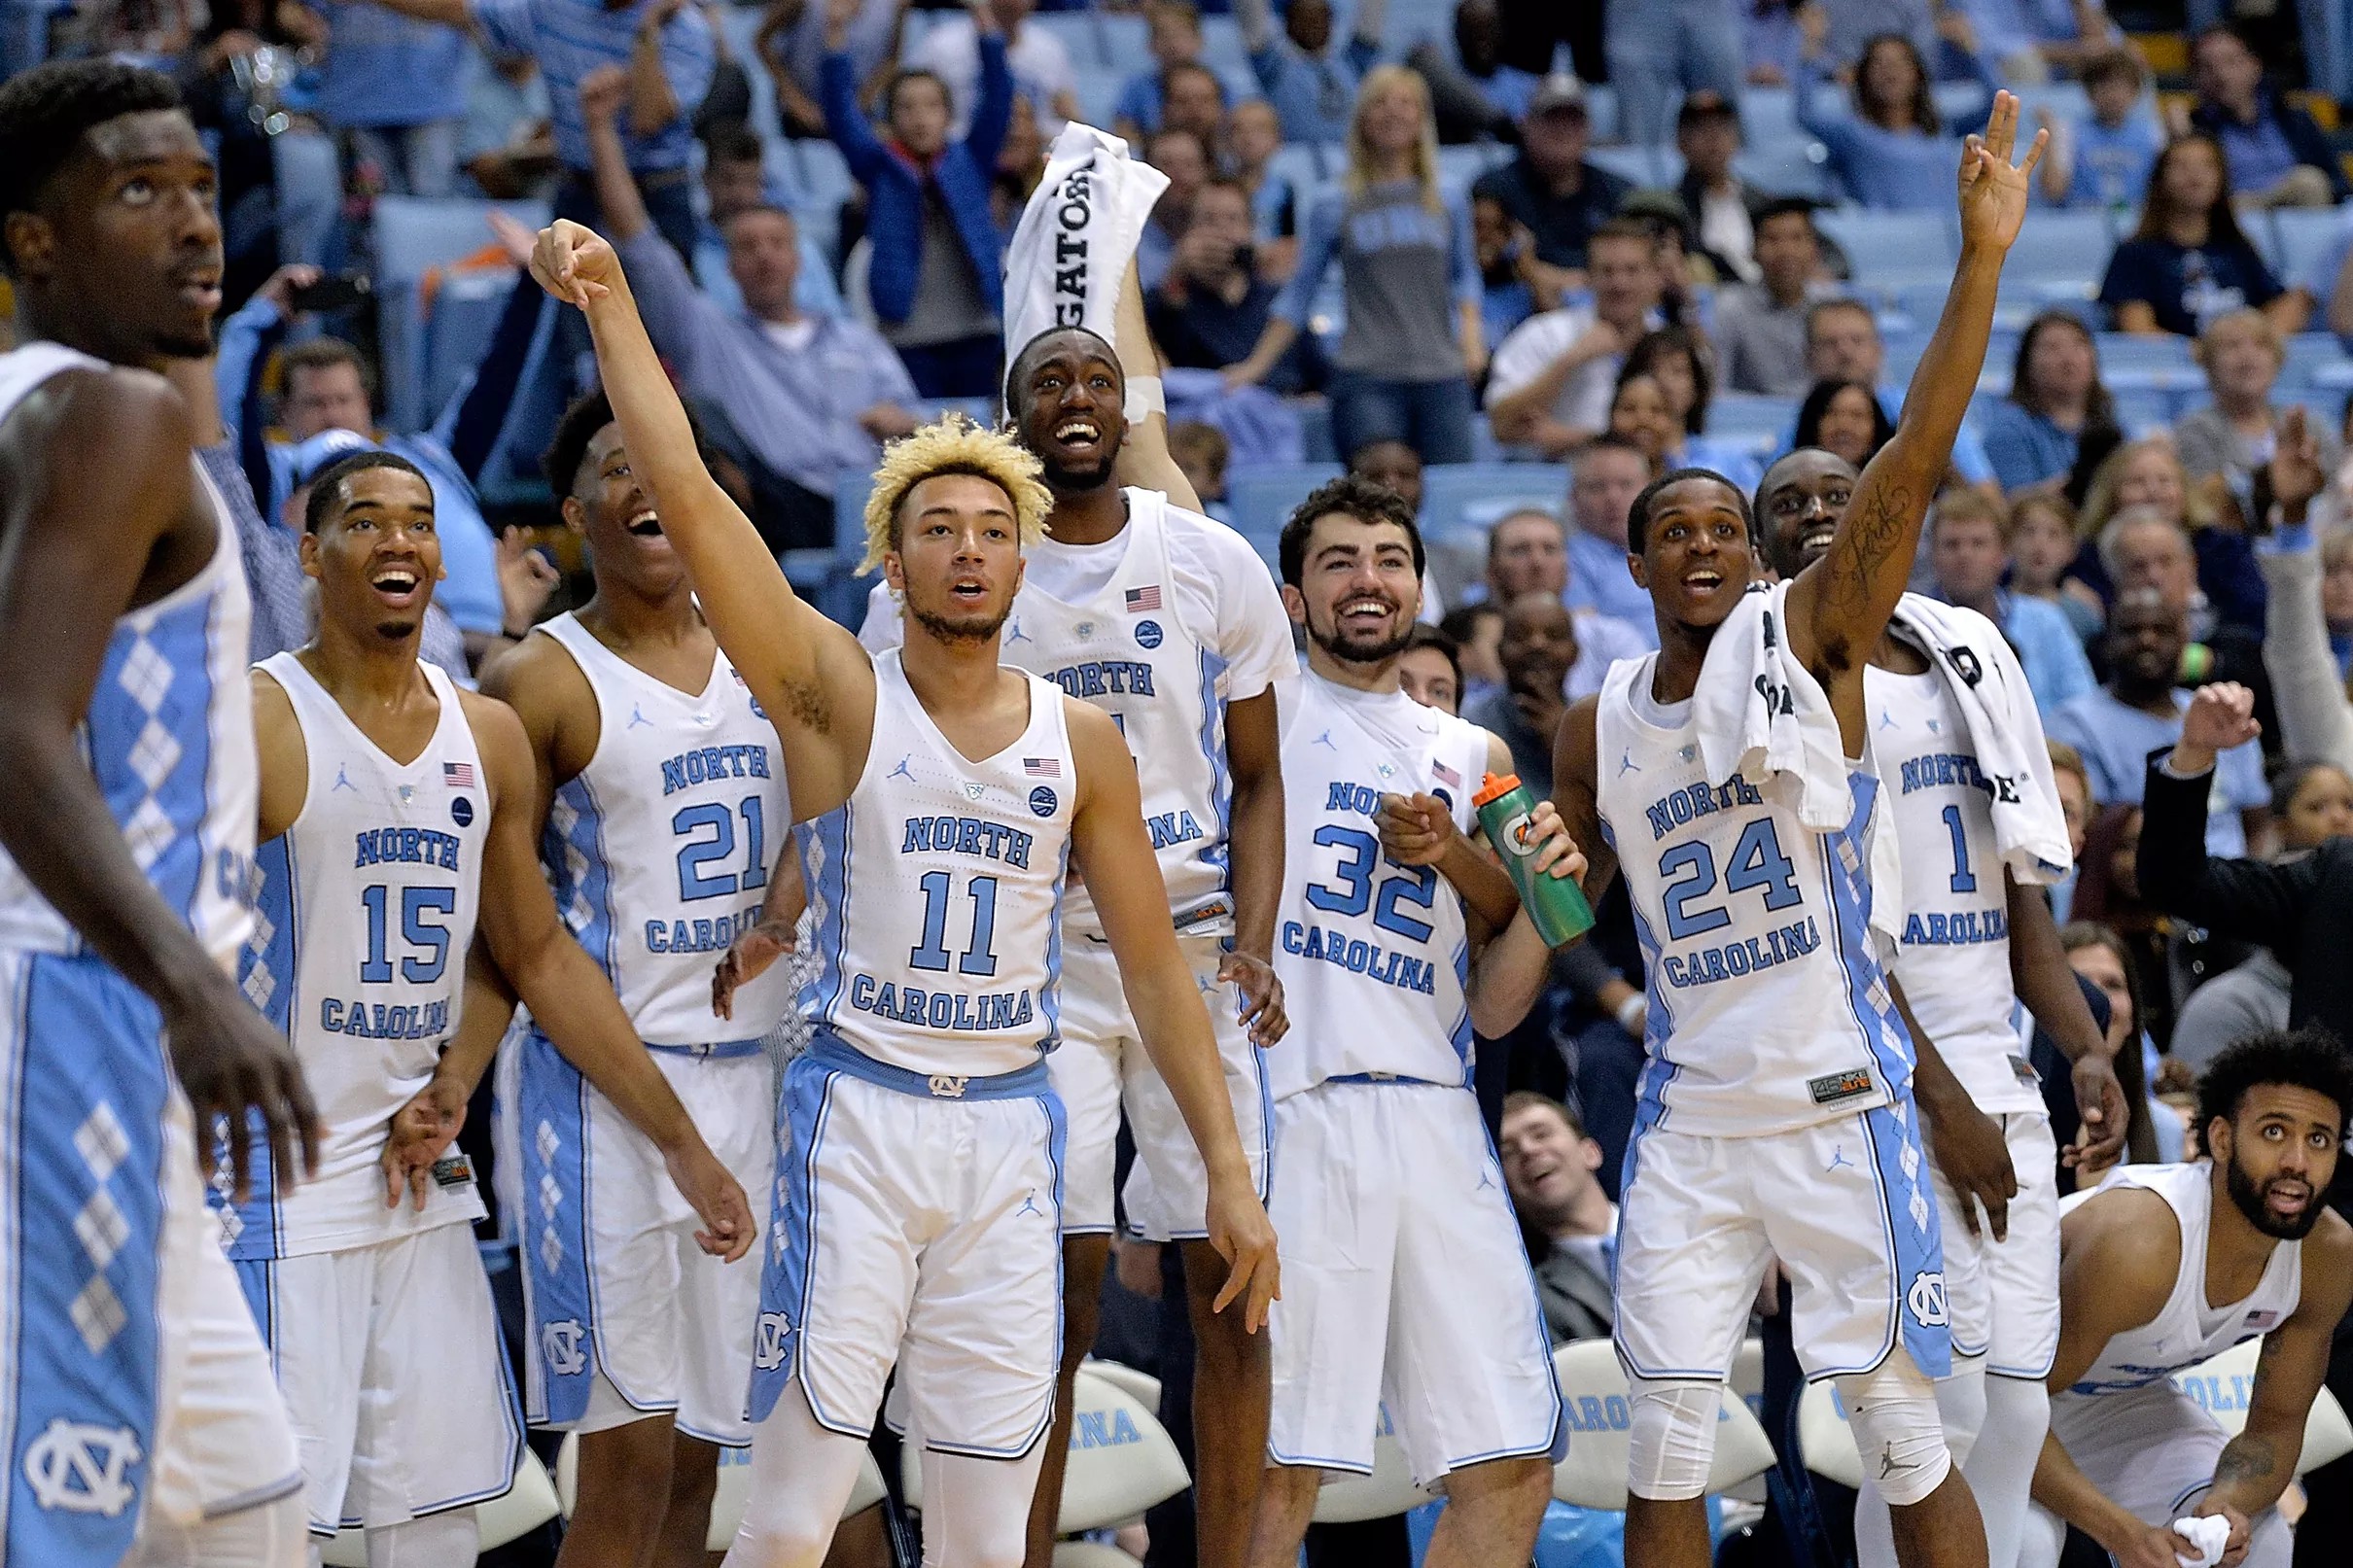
(1468, 498)
(823, 178)
(2142, 410)
(2305, 236)
(1967, 102)
(1221, 46)
(1121, 41)
(1891, 248)
(741, 26)
(2264, 235)
(1261, 499)
(458, 327)
(1458, 166)
(1301, 163)
(1601, 109)
(1098, 91)
(1740, 416)
(1769, 114)
(1315, 430)
(412, 237)
(2060, 253)
(1635, 164)
(1786, 168)
(2308, 355)
(2145, 361)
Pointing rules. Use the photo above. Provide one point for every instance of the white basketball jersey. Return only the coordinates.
(1143, 644)
(936, 888)
(168, 733)
(1767, 1008)
(1954, 959)
(2187, 1329)
(358, 954)
(1373, 956)
(659, 850)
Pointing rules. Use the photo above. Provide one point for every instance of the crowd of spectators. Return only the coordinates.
(1407, 237)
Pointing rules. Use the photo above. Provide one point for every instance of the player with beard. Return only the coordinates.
(1165, 620)
(1409, 1285)
(2167, 1265)
(1988, 1132)
(1775, 1116)
(397, 813)
(914, 1216)
(134, 1393)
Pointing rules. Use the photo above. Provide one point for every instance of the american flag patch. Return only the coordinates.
(1041, 767)
(1446, 775)
(1143, 598)
(458, 775)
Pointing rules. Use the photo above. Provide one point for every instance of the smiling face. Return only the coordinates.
(2278, 1153)
(1849, 425)
(324, 396)
(2152, 476)
(956, 560)
(1071, 409)
(1642, 414)
(376, 554)
(615, 518)
(123, 245)
(1801, 501)
(1548, 1166)
(1696, 559)
(1623, 270)
(1428, 676)
(1389, 118)
(1254, 132)
(1357, 593)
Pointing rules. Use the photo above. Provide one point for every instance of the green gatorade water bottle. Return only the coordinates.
(1556, 904)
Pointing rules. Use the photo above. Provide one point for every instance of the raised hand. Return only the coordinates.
(1993, 188)
(602, 92)
(2295, 471)
(573, 264)
(2221, 716)
(526, 578)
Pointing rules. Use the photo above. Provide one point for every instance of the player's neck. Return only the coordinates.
(363, 672)
(1093, 516)
(1378, 679)
(34, 324)
(1682, 653)
(620, 617)
(949, 675)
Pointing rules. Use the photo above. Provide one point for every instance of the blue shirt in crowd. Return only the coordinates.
(2188, 288)
(2024, 447)
(1891, 170)
(571, 37)
(1598, 580)
(2048, 650)
(387, 69)
(2112, 162)
(2116, 741)
(1314, 96)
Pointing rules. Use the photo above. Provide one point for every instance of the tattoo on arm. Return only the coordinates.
(2247, 1460)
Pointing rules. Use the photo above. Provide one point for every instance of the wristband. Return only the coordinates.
(1633, 1013)
(1146, 398)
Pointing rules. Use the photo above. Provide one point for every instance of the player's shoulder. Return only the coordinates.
(539, 669)
(498, 729)
(2327, 1250)
(2131, 1233)
(74, 400)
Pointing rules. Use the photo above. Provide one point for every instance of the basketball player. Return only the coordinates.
(2167, 1265)
(395, 810)
(1978, 942)
(1168, 621)
(134, 1393)
(1775, 1111)
(1409, 1284)
(661, 815)
(917, 1148)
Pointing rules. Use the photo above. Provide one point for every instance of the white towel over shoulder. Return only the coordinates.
(1071, 247)
(1989, 687)
(1762, 714)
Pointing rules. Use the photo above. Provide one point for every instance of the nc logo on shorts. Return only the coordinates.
(946, 1086)
(775, 1330)
(1927, 1298)
(560, 1344)
(1147, 633)
(78, 1467)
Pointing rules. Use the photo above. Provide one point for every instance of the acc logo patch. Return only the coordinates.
(1147, 633)
(1042, 801)
(461, 811)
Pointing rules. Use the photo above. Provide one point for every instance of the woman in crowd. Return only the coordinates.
(2189, 263)
(2242, 354)
(1413, 343)
(2033, 435)
(2150, 474)
(2155, 1137)
(2043, 547)
(1674, 358)
(1843, 417)
(1891, 150)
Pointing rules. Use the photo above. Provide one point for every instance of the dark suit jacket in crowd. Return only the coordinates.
(1575, 1296)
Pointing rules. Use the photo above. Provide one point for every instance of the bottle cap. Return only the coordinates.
(1494, 787)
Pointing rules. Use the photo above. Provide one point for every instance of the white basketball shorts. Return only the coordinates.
(2150, 1451)
(2004, 1295)
(627, 1316)
(914, 1220)
(1102, 1065)
(1405, 1283)
(391, 1365)
(1844, 1204)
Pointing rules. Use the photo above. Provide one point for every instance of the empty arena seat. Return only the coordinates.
(1458, 498)
(2061, 252)
(1739, 416)
(1884, 249)
(1261, 499)
(2136, 359)
(1594, 1475)
(2304, 238)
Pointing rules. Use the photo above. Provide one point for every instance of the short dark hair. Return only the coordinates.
(1785, 207)
(1351, 494)
(1632, 229)
(1837, 302)
(1437, 637)
(909, 72)
(2309, 1058)
(323, 354)
(567, 449)
(1637, 516)
(1817, 400)
(2113, 62)
(1191, 68)
(1017, 373)
(1461, 623)
(46, 111)
(1707, 104)
(733, 142)
(1527, 1099)
(326, 485)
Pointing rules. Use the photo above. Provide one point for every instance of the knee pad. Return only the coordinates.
(1898, 1429)
(1671, 1439)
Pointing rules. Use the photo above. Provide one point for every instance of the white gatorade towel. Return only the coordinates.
(1076, 238)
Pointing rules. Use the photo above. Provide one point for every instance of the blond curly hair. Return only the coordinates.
(954, 444)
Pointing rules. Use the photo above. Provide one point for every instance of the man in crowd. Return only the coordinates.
(1551, 384)
(1606, 477)
(1042, 66)
(1760, 327)
(1552, 1171)
(1183, 155)
(1312, 85)
(798, 400)
(1550, 188)
(2277, 157)
(1211, 307)
(1842, 343)
(1538, 649)
(1526, 553)
(1968, 553)
(1724, 208)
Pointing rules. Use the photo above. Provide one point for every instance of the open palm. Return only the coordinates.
(1993, 188)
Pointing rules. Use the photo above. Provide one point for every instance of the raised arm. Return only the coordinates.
(838, 96)
(1109, 846)
(1144, 457)
(448, 12)
(1839, 607)
(652, 99)
(569, 995)
(2251, 900)
(817, 683)
(2315, 720)
(82, 541)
